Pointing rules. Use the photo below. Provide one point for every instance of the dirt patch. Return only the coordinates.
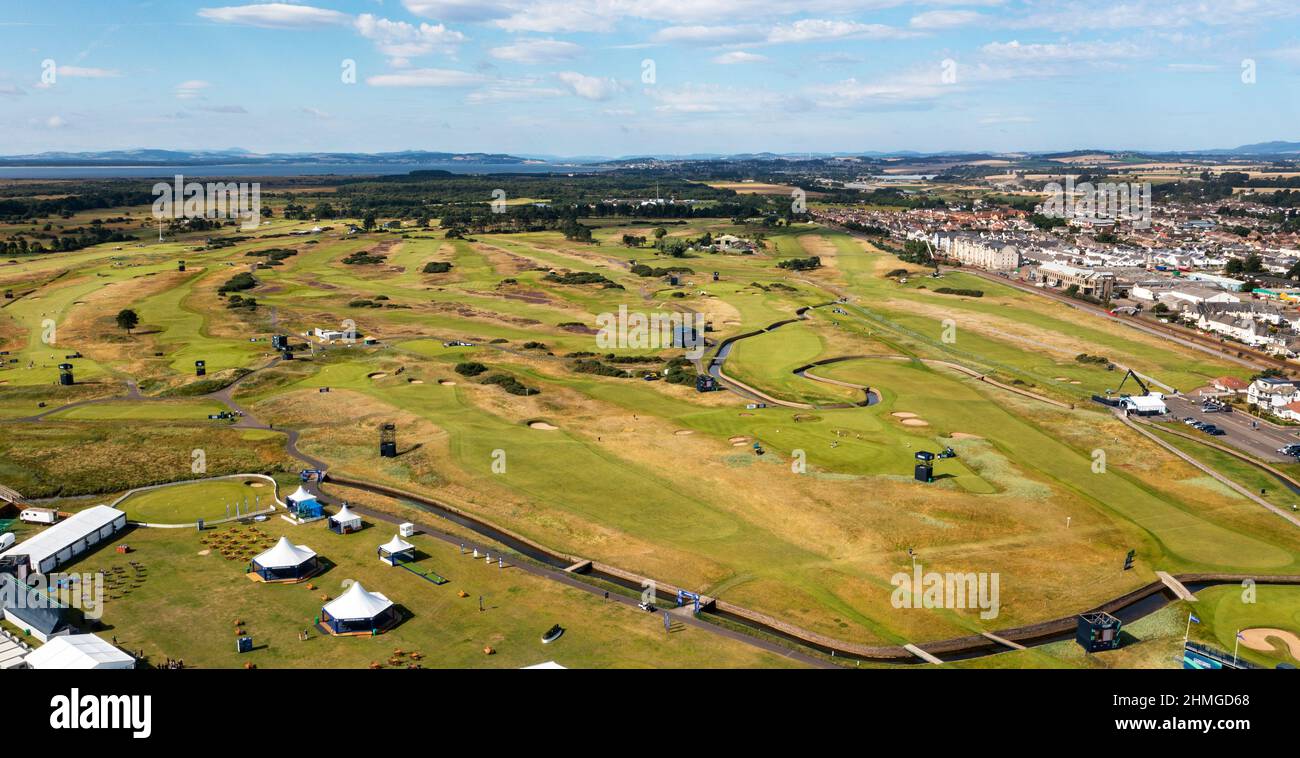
(684, 432)
(543, 426)
(415, 381)
(915, 422)
(1258, 639)
(738, 440)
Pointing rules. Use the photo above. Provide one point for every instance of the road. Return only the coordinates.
(1244, 432)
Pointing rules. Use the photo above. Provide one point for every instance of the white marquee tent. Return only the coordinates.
(395, 547)
(345, 521)
(78, 651)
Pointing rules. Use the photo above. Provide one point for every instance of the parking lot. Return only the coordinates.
(1242, 431)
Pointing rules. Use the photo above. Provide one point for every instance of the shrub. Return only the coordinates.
(470, 368)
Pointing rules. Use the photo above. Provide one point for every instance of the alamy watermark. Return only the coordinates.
(55, 591)
(1105, 201)
(213, 200)
(634, 330)
(950, 590)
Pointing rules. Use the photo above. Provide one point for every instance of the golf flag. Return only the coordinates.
(1239, 636)
(1192, 617)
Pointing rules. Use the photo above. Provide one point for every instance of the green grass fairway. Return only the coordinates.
(186, 503)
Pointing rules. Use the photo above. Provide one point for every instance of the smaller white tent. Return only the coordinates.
(345, 521)
(78, 651)
(301, 494)
(395, 546)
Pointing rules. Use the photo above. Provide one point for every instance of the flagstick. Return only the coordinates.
(1187, 633)
(1235, 644)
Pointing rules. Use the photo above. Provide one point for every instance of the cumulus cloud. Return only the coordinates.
(81, 72)
(537, 51)
(191, 90)
(275, 16)
(589, 87)
(944, 19)
(738, 56)
(426, 77)
(399, 39)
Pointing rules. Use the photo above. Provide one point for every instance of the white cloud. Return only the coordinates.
(399, 39)
(457, 10)
(80, 72)
(191, 89)
(738, 56)
(225, 109)
(53, 122)
(509, 90)
(803, 30)
(589, 87)
(275, 16)
(537, 51)
(426, 77)
(811, 29)
(1065, 51)
(315, 113)
(12, 90)
(944, 19)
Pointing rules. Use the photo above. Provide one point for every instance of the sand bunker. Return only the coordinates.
(205, 552)
(965, 436)
(254, 484)
(446, 383)
(1062, 378)
(903, 414)
(684, 432)
(376, 374)
(738, 440)
(415, 381)
(1258, 639)
(915, 422)
(543, 426)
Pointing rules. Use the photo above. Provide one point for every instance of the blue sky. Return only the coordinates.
(623, 77)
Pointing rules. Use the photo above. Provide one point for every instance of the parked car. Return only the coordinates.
(1213, 430)
(1292, 449)
(1189, 420)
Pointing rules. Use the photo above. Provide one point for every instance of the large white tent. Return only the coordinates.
(285, 561)
(78, 651)
(358, 611)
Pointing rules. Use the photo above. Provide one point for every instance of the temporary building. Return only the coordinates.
(285, 562)
(304, 504)
(358, 612)
(78, 651)
(66, 540)
(33, 611)
(345, 521)
(396, 550)
(1144, 405)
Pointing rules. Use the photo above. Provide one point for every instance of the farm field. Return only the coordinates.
(802, 510)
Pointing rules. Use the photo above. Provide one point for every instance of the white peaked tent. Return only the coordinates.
(358, 611)
(285, 562)
(78, 651)
(391, 550)
(345, 521)
(300, 495)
